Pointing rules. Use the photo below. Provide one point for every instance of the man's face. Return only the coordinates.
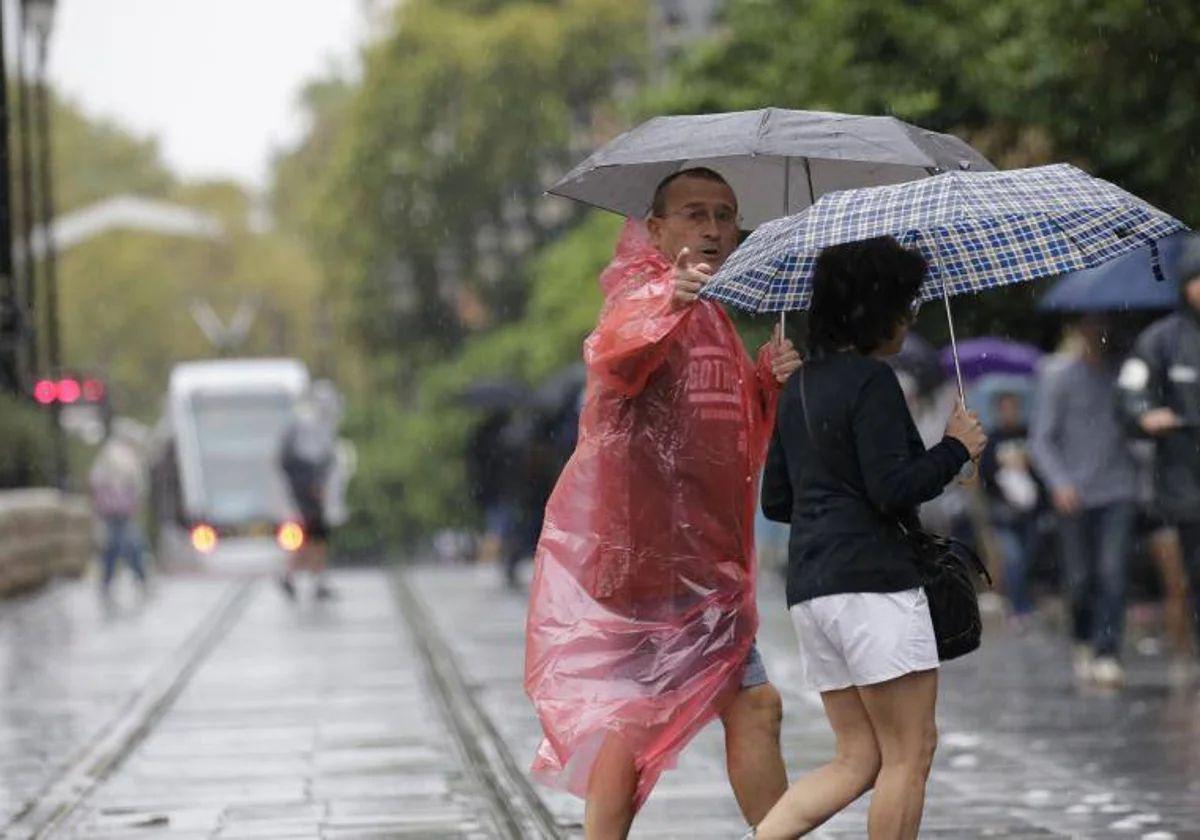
(701, 215)
(1191, 293)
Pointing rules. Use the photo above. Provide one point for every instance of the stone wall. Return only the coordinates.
(43, 534)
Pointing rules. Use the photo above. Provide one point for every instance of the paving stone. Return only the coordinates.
(1023, 752)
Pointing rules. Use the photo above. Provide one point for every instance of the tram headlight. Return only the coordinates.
(290, 536)
(204, 539)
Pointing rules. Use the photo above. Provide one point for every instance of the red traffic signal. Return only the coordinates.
(68, 391)
(45, 391)
(93, 390)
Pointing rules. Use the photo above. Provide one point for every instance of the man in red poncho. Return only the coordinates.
(642, 614)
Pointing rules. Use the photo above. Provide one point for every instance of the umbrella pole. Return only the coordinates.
(787, 211)
(967, 474)
(953, 344)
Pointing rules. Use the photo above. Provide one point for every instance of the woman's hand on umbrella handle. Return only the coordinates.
(689, 280)
(965, 427)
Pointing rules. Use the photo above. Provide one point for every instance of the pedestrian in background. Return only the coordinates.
(307, 456)
(1014, 499)
(848, 469)
(490, 465)
(117, 482)
(1160, 397)
(1080, 451)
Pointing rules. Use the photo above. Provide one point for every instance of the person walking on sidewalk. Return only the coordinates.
(307, 456)
(1080, 450)
(1159, 386)
(846, 468)
(642, 611)
(117, 482)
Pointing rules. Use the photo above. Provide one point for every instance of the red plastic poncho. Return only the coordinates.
(642, 609)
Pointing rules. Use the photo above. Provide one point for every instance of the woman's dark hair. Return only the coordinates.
(861, 292)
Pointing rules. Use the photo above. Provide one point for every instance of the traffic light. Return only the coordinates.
(69, 390)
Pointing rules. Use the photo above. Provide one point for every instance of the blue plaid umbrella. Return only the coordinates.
(977, 230)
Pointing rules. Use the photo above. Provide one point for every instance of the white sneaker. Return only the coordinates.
(1108, 673)
(1083, 663)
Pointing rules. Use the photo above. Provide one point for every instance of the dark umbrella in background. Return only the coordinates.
(1125, 284)
(560, 391)
(495, 394)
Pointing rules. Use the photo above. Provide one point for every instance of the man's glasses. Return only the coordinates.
(698, 217)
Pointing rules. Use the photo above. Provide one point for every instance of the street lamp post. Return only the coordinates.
(38, 16)
(34, 365)
(10, 312)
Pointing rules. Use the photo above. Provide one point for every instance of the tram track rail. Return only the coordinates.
(516, 810)
(100, 757)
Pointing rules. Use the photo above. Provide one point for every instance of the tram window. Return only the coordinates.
(239, 438)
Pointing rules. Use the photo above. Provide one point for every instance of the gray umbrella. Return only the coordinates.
(777, 161)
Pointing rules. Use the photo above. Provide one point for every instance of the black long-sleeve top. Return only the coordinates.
(844, 492)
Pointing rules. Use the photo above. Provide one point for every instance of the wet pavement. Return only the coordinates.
(216, 708)
(303, 720)
(70, 662)
(1023, 752)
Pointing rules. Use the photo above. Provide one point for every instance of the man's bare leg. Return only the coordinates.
(815, 797)
(752, 756)
(612, 785)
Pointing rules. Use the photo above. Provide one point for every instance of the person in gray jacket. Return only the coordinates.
(1079, 448)
(1159, 388)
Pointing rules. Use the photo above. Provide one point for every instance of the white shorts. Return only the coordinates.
(863, 638)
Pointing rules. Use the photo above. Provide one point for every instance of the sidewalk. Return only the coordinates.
(1022, 753)
(308, 720)
(70, 661)
(218, 709)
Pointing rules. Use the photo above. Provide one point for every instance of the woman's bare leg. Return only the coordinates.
(902, 716)
(817, 796)
(612, 784)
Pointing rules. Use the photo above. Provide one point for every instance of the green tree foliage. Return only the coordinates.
(24, 445)
(463, 113)
(1109, 83)
(411, 478)
(124, 295)
(419, 186)
(467, 108)
(96, 159)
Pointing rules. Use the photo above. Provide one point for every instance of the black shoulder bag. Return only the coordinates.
(950, 572)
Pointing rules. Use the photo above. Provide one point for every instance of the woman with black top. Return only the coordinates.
(845, 468)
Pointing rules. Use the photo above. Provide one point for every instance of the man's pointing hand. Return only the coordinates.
(689, 279)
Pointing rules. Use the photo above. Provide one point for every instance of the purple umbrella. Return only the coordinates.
(982, 356)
